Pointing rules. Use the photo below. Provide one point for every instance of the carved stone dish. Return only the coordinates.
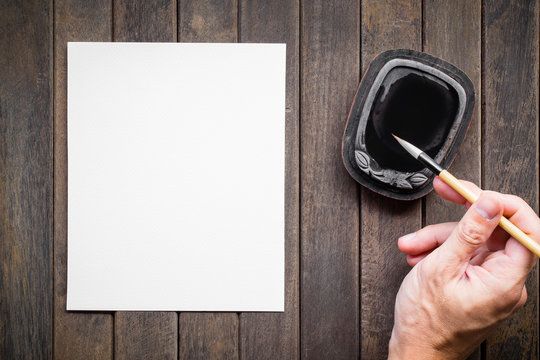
(417, 97)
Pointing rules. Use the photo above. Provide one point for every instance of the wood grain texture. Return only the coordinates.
(208, 335)
(385, 25)
(77, 335)
(329, 197)
(452, 32)
(32, 294)
(145, 21)
(208, 21)
(26, 179)
(509, 147)
(145, 335)
(276, 335)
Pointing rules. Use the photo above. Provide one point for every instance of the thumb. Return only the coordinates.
(473, 230)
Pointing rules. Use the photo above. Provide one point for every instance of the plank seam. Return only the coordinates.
(176, 21)
(537, 158)
(239, 337)
(238, 330)
(178, 39)
(52, 84)
(300, 78)
(112, 20)
(113, 335)
(178, 314)
(422, 39)
(238, 13)
(359, 198)
(483, 345)
(298, 173)
(422, 47)
(482, 91)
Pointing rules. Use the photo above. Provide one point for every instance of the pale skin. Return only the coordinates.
(466, 278)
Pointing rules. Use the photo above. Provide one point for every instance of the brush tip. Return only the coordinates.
(411, 149)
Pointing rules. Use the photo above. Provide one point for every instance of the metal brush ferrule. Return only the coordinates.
(430, 163)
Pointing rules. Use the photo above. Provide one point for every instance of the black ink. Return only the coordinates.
(415, 106)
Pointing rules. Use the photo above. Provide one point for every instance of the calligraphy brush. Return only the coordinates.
(455, 184)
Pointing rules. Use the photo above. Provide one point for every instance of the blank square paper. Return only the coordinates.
(176, 176)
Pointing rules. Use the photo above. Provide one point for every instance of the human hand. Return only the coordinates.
(467, 277)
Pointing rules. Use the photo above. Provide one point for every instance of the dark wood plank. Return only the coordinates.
(208, 335)
(452, 31)
(208, 21)
(275, 335)
(329, 198)
(145, 335)
(145, 21)
(509, 145)
(385, 25)
(26, 179)
(140, 335)
(77, 335)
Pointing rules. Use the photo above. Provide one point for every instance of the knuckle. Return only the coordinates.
(470, 233)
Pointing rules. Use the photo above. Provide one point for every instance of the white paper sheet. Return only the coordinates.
(176, 176)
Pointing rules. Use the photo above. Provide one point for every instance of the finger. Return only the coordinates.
(525, 218)
(478, 257)
(425, 239)
(447, 193)
(521, 301)
(518, 212)
(523, 298)
(521, 256)
(415, 259)
(473, 230)
(521, 214)
(497, 240)
(515, 208)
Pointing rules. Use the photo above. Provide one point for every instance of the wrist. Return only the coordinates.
(414, 348)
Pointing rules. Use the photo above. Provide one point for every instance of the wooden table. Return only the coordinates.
(343, 267)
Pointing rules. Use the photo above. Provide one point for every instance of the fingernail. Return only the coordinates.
(487, 207)
(407, 237)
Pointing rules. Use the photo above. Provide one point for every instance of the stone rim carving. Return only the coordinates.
(361, 165)
(402, 180)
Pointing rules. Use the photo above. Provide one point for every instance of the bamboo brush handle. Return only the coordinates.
(504, 223)
(458, 186)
